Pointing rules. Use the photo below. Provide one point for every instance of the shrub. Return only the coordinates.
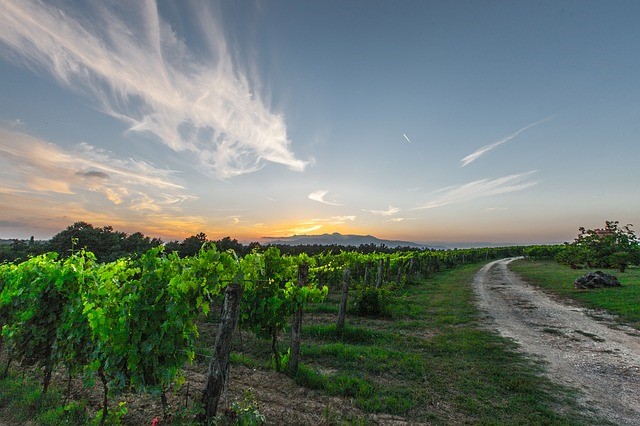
(372, 301)
(610, 247)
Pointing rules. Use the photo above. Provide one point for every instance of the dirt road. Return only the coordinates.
(584, 349)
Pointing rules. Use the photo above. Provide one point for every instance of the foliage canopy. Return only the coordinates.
(613, 246)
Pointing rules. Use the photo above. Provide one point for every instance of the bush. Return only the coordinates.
(610, 247)
(244, 412)
(371, 301)
(543, 252)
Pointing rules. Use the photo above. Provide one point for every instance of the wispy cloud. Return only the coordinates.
(406, 137)
(236, 220)
(389, 212)
(302, 229)
(319, 197)
(395, 219)
(15, 124)
(49, 215)
(32, 165)
(136, 68)
(480, 188)
(315, 224)
(339, 220)
(481, 151)
(46, 188)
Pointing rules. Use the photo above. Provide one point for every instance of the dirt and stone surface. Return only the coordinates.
(581, 348)
(278, 397)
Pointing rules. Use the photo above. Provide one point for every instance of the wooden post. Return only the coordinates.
(342, 313)
(399, 276)
(387, 269)
(296, 324)
(105, 395)
(219, 365)
(379, 277)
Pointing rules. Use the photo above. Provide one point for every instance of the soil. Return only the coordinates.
(581, 348)
(278, 397)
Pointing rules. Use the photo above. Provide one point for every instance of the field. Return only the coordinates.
(624, 301)
(429, 360)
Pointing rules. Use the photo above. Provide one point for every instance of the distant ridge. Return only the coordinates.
(345, 240)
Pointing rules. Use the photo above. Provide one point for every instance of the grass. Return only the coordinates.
(432, 361)
(22, 401)
(623, 301)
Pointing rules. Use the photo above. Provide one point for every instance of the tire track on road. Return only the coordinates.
(599, 357)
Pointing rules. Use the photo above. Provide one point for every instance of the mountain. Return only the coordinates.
(467, 245)
(344, 240)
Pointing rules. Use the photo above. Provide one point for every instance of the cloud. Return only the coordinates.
(395, 219)
(333, 220)
(339, 220)
(235, 220)
(480, 188)
(303, 229)
(481, 151)
(32, 166)
(49, 215)
(11, 223)
(14, 124)
(389, 212)
(310, 225)
(136, 68)
(93, 174)
(319, 197)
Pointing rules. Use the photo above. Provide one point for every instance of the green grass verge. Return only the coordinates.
(623, 301)
(433, 362)
(21, 402)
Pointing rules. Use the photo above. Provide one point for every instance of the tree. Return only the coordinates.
(106, 243)
(20, 250)
(192, 245)
(610, 247)
(230, 244)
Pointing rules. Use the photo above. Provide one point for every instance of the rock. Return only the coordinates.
(596, 279)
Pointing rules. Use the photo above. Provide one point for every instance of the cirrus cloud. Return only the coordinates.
(319, 197)
(481, 151)
(32, 165)
(136, 68)
(389, 212)
(480, 188)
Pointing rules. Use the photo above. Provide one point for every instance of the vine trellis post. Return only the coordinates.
(219, 364)
(296, 323)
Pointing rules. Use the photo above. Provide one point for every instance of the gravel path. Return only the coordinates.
(584, 349)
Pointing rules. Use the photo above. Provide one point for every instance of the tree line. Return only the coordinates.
(108, 245)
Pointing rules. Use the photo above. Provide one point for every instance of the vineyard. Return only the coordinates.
(133, 324)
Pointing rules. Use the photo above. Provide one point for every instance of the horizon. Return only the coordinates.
(414, 121)
(266, 240)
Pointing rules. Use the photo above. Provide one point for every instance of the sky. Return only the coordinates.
(424, 121)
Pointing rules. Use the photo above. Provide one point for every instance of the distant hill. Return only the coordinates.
(345, 240)
(466, 245)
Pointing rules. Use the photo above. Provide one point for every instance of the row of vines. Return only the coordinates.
(132, 323)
